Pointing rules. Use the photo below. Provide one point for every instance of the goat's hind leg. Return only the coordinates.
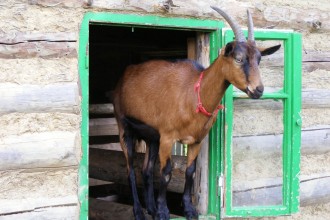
(128, 142)
(165, 150)
(148, 176)
(189, 210)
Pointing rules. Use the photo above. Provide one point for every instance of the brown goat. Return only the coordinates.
(156, 102)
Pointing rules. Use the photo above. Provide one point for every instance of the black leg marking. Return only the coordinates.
(162, 212)
(148, 178)
(130, 144)
(189, 210)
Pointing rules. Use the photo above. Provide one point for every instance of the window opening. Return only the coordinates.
(257, 189)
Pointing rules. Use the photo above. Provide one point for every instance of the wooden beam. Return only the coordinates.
(103, 126)
(101, 108)
(201, 182)
(39, 98)
(111, 166)
(46, 149)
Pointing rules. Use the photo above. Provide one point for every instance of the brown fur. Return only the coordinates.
(161, 94)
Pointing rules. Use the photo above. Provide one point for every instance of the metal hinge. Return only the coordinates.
(221, 189)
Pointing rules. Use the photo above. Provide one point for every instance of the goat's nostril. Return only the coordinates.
(260, 89)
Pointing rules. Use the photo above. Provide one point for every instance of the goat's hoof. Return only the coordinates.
(162, 216)
(191, 213)
(152, 211)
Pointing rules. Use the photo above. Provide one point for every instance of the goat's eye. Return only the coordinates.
(238, 60)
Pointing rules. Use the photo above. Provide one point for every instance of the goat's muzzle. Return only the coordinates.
(255, 93)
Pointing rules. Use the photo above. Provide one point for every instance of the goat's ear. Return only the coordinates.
(229, 48)
(269, 50)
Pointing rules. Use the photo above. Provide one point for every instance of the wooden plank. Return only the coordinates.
(111, 166)
(46, 213)
(101, 108)
(42, 49)
(46, 149)
(109, 146)
(37, 98)
(103, 126)
(313, 141)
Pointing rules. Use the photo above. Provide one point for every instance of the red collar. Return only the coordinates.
(200, 108)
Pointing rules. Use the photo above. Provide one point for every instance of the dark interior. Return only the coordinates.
(113, 48)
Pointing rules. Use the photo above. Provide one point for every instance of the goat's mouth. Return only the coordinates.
(255, 94)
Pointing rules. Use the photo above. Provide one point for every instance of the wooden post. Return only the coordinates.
(201, 178)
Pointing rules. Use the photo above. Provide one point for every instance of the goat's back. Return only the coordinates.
(157, 92)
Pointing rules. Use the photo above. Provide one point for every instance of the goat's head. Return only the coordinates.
(242, 58)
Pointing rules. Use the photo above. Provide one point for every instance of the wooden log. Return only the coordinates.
(37, 98)
(103, 126)
(313, 141)
(46, 149)
(32, 189)
(42, 49)
(313, 190)
(57, 213)
(25, 37)
(59, 3)
(311, 98)
(101, 108)
(111, 166)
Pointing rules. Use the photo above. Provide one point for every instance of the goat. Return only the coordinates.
(156, 102)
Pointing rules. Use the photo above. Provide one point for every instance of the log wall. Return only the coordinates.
(40, 103)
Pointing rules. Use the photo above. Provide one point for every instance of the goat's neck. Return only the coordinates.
(213, 85)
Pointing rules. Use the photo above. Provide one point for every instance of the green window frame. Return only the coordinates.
(290, 95)
(212, 27)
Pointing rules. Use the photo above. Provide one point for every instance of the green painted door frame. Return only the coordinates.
(212, 27)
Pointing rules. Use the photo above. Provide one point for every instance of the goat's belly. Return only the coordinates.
(188, 140)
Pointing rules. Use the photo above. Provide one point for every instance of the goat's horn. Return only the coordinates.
(233, 24)
(250, 27)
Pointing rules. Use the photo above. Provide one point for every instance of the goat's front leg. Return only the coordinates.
(148, 176)
(165, 150)
(189, 210)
